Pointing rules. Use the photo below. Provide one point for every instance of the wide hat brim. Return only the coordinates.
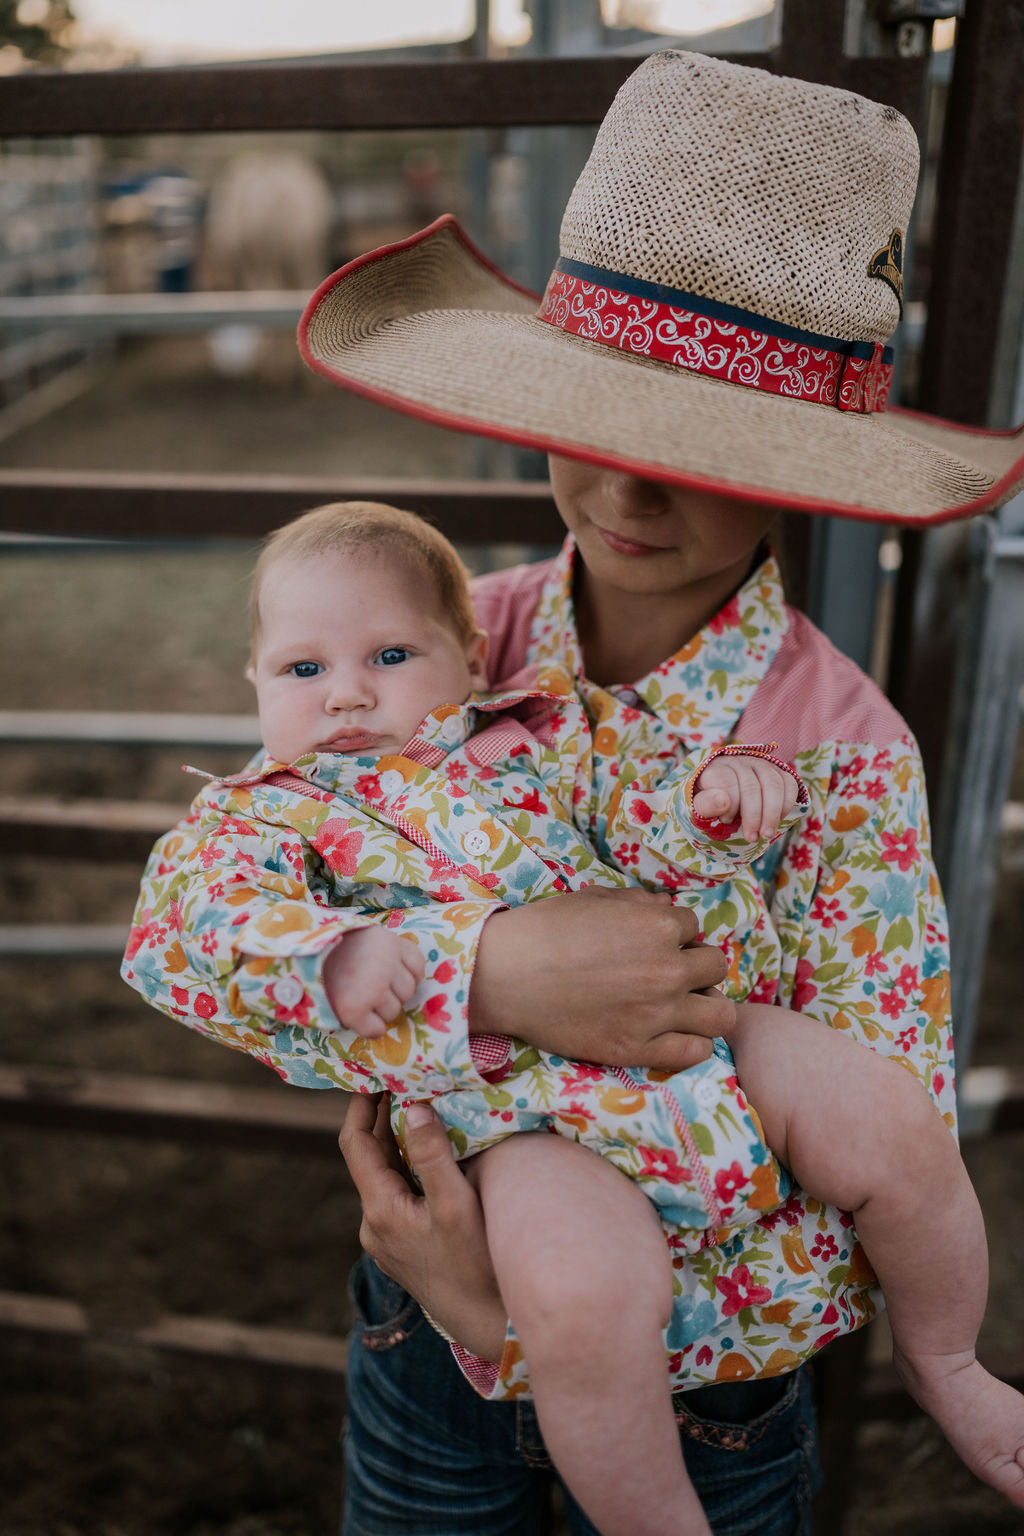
(431, 328)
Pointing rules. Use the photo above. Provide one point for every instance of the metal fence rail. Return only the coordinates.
(336, 94)
(82, 504)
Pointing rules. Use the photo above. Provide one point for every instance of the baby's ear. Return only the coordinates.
(476, 656)
(250, 673)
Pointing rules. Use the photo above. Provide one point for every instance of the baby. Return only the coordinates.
(364, 655)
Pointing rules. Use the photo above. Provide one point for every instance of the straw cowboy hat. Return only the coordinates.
(731, 269)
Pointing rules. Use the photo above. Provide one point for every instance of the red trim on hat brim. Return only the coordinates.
(953, 426)
(446, 221)
(658, 472)
(790, 502)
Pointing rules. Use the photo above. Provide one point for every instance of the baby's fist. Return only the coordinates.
(747, 788)
(369, 976)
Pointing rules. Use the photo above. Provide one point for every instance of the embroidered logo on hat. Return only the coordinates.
(888, 265)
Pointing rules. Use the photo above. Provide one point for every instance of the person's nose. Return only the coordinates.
(348, 689)
(632, 496)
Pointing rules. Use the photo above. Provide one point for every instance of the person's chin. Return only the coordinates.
(629, 560)
(652, 578)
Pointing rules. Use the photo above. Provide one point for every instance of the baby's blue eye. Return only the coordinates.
(306, 669)
(392, 655)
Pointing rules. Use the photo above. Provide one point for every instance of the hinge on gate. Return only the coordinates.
(895, 28)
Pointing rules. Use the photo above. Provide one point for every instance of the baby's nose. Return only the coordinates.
(348, 691)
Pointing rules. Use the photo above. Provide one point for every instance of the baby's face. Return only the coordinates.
(354, 653)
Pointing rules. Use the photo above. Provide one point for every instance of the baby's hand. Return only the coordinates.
(748, 787)
(369, 976)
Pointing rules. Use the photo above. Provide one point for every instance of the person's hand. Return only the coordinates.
(749, 789)
(434, 1243)
(369, 976)
(609, 976)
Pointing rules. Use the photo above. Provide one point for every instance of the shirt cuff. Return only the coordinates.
(486, 1376)
(280, 991)
(726, 837)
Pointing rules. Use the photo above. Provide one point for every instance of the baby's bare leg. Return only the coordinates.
(584, 1272)
(859, 1132)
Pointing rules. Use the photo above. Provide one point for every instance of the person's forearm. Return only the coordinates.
(477, 1324)
(433, 1243)
(607, 976)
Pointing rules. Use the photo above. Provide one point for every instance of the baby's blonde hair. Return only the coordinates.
(365, 526)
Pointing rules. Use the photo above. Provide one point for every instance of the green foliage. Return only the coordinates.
(827, 973)
(900, 936)
(724, 915)
(702, 1139)
(507, 856)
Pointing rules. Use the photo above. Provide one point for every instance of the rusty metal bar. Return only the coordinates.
(456, 93)
(82, 504)
(121, 728)
(121, 314)
(41, 827)
(316, 1360)
(159, 1108)
(314, 95)
(977, 193)
(976, 202)
(64, 941)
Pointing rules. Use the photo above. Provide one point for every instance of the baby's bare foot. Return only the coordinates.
(981, 1417)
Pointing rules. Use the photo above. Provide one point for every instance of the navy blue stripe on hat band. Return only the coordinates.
(660, 294)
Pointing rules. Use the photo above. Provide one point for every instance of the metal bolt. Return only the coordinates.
(911, 40)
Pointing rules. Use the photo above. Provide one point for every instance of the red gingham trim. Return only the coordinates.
(424, 752)
(481, 1374)
(490, 1053)
(408, 829)
(544, 731)
(723, 349)
(686, 1137)
(499, 741)
(299, 786)
(416, 835)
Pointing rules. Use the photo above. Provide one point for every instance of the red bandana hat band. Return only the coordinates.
(715, 339)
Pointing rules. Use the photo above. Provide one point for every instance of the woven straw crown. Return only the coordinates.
(761, 192)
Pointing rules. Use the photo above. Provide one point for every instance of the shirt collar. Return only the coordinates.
(702, 690)
(531, 695)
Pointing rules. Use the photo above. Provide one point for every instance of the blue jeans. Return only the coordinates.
(425, 1456)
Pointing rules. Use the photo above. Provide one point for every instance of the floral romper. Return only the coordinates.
(241, 902)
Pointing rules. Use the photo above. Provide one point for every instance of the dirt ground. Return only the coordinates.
(123, 1444)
